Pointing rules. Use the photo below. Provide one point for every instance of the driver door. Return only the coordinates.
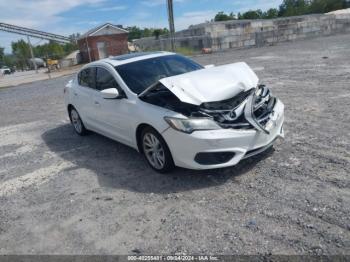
(112, 116)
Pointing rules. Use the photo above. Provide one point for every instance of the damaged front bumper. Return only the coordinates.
(227, 146)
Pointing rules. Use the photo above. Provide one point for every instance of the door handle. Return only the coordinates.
(97, 103)
(75, 94)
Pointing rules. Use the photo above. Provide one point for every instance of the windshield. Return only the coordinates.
(141, 74)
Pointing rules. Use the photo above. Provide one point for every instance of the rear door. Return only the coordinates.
(112, 115)
(102, 50)
(83, 94)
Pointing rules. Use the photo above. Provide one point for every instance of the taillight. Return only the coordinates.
(64, 90)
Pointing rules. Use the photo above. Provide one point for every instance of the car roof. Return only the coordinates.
(132, 57)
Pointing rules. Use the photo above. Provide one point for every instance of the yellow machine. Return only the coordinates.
(52, 64)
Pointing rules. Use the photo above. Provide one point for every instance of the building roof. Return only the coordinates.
(93, 31)
(72, 55)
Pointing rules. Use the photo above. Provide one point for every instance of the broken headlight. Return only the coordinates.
(191, 124)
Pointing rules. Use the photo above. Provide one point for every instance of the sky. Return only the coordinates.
(66, 17)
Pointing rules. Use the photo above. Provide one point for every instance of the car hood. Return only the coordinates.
(212, 84)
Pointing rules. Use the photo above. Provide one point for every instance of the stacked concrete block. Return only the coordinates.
(247, 33)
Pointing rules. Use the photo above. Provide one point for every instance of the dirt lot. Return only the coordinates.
(63, 194)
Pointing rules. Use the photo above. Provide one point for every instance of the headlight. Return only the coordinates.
(191, 124)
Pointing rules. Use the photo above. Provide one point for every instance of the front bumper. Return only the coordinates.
(243, 143)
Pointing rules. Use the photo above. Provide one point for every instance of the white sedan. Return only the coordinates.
(175, 111)
(5, 70)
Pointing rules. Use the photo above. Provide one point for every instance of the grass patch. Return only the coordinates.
(4, 87)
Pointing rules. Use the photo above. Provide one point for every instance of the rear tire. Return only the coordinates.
(156, 151)
(77, 122)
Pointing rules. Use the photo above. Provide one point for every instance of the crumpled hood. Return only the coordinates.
(212, 84)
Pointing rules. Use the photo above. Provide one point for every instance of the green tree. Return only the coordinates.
(289, 8)
(41, 50)
(221, 16)
(9, 60)
(136, 32)
(159, 31)
(70, 47)
(147, 32)
(53, 50)
(325, 6)
(2, 55)
(21, 51)
(251, 14)
(271, 13)
(156, 33)
(294, 7)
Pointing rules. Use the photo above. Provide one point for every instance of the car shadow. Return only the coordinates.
(119, 166)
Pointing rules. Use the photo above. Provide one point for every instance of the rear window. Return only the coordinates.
(141, 74)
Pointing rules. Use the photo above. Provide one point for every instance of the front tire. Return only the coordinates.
(156, 151)
(77, 122)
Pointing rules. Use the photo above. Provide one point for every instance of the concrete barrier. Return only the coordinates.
(248, 33)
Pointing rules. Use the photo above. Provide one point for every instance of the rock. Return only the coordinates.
(136, 250)
(251, 224)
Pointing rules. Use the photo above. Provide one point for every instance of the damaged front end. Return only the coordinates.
(249, 109)
(229, 95)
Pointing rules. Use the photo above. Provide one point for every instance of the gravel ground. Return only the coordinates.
(30, 76)
(65, 194)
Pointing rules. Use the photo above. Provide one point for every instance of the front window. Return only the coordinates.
(105, 80)
(141, 74)
(86, 77)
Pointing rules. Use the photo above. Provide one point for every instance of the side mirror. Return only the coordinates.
(209, 66)
(110, 93)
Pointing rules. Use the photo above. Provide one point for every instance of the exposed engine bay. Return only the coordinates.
(228, 113)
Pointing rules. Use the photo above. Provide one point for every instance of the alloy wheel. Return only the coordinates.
(78, 125)
(153, 151)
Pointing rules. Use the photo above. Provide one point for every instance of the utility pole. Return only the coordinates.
(171, 23)
(32, 55)
(88, 48)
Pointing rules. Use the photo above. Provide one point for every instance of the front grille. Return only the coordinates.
(226, 105)
(261, 111)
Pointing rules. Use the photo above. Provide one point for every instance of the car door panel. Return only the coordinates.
(112, 115)
(82, 94)
(83, 101)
